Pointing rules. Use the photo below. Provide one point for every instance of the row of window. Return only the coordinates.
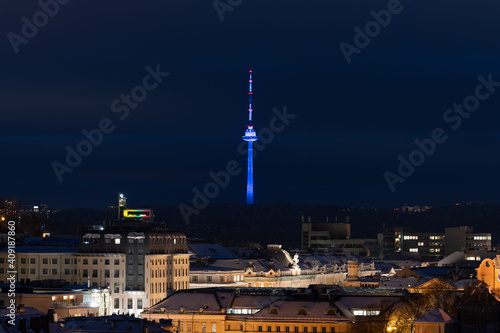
(88, 241)
(95, 261)
(166, 240)
(130, 303)
(358, 312)
(203, 328)
(85, 273)
(162, 287)
(482, 237)
(236, 278)
(305, 329)
(45, 261)
(180, 261)
(45, 271)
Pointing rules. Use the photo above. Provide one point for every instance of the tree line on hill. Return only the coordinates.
(280, 223)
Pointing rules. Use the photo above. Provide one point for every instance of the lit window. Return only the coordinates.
(117, 240)
(414, 250)
(420, 243)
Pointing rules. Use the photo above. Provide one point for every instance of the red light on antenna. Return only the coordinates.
(250, 71)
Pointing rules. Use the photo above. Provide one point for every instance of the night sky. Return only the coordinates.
(352, 120)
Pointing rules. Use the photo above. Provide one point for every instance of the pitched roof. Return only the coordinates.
(192, 300)
(208, 250)
(289, 309)
(437, 316)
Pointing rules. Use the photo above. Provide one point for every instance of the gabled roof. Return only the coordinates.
(398, 283)
(208, 250)
(253, 301)
(289, 309)
(192, 300)
(456, 257)
(48, 248)
(426, 283)
(437, 316)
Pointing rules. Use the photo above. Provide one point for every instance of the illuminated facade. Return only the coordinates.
(463, 238)
(64, 301)
(140, 268)
(396, 242)
(322, 309)
(37, 262)
(489, 272)
(250, 136)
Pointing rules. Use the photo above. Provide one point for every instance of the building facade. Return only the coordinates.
(320, 309)
(38, 262)
(464, 239)
(139, 267)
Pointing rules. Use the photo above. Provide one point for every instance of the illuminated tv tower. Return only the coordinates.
(250, 136)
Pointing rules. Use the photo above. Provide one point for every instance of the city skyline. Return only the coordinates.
(158, 90)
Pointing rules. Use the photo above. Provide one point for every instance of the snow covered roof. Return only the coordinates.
(215, 251)
(38, 249)
(456, 257)
(253, 301)
(27, 313)
(222, 265)
(290, 309)
(192, 301)
(348, 303)
(437, 316)
(112, 323)
(398, 282)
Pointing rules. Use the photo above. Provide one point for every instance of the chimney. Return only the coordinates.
(51, 315)
(45, 323)
(36, 324)
(22, 325)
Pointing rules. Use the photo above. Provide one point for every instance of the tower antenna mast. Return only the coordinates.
(250, 136)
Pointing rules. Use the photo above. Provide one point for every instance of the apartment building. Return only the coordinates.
(464, 239)
(40, 262)
(140, 267)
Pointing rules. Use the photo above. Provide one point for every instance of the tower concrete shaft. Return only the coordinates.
(250, 136)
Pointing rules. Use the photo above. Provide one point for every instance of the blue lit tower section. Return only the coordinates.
(250, 136)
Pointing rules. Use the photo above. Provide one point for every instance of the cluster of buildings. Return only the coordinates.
(397, 242)
(127, 266)
(131, 275)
